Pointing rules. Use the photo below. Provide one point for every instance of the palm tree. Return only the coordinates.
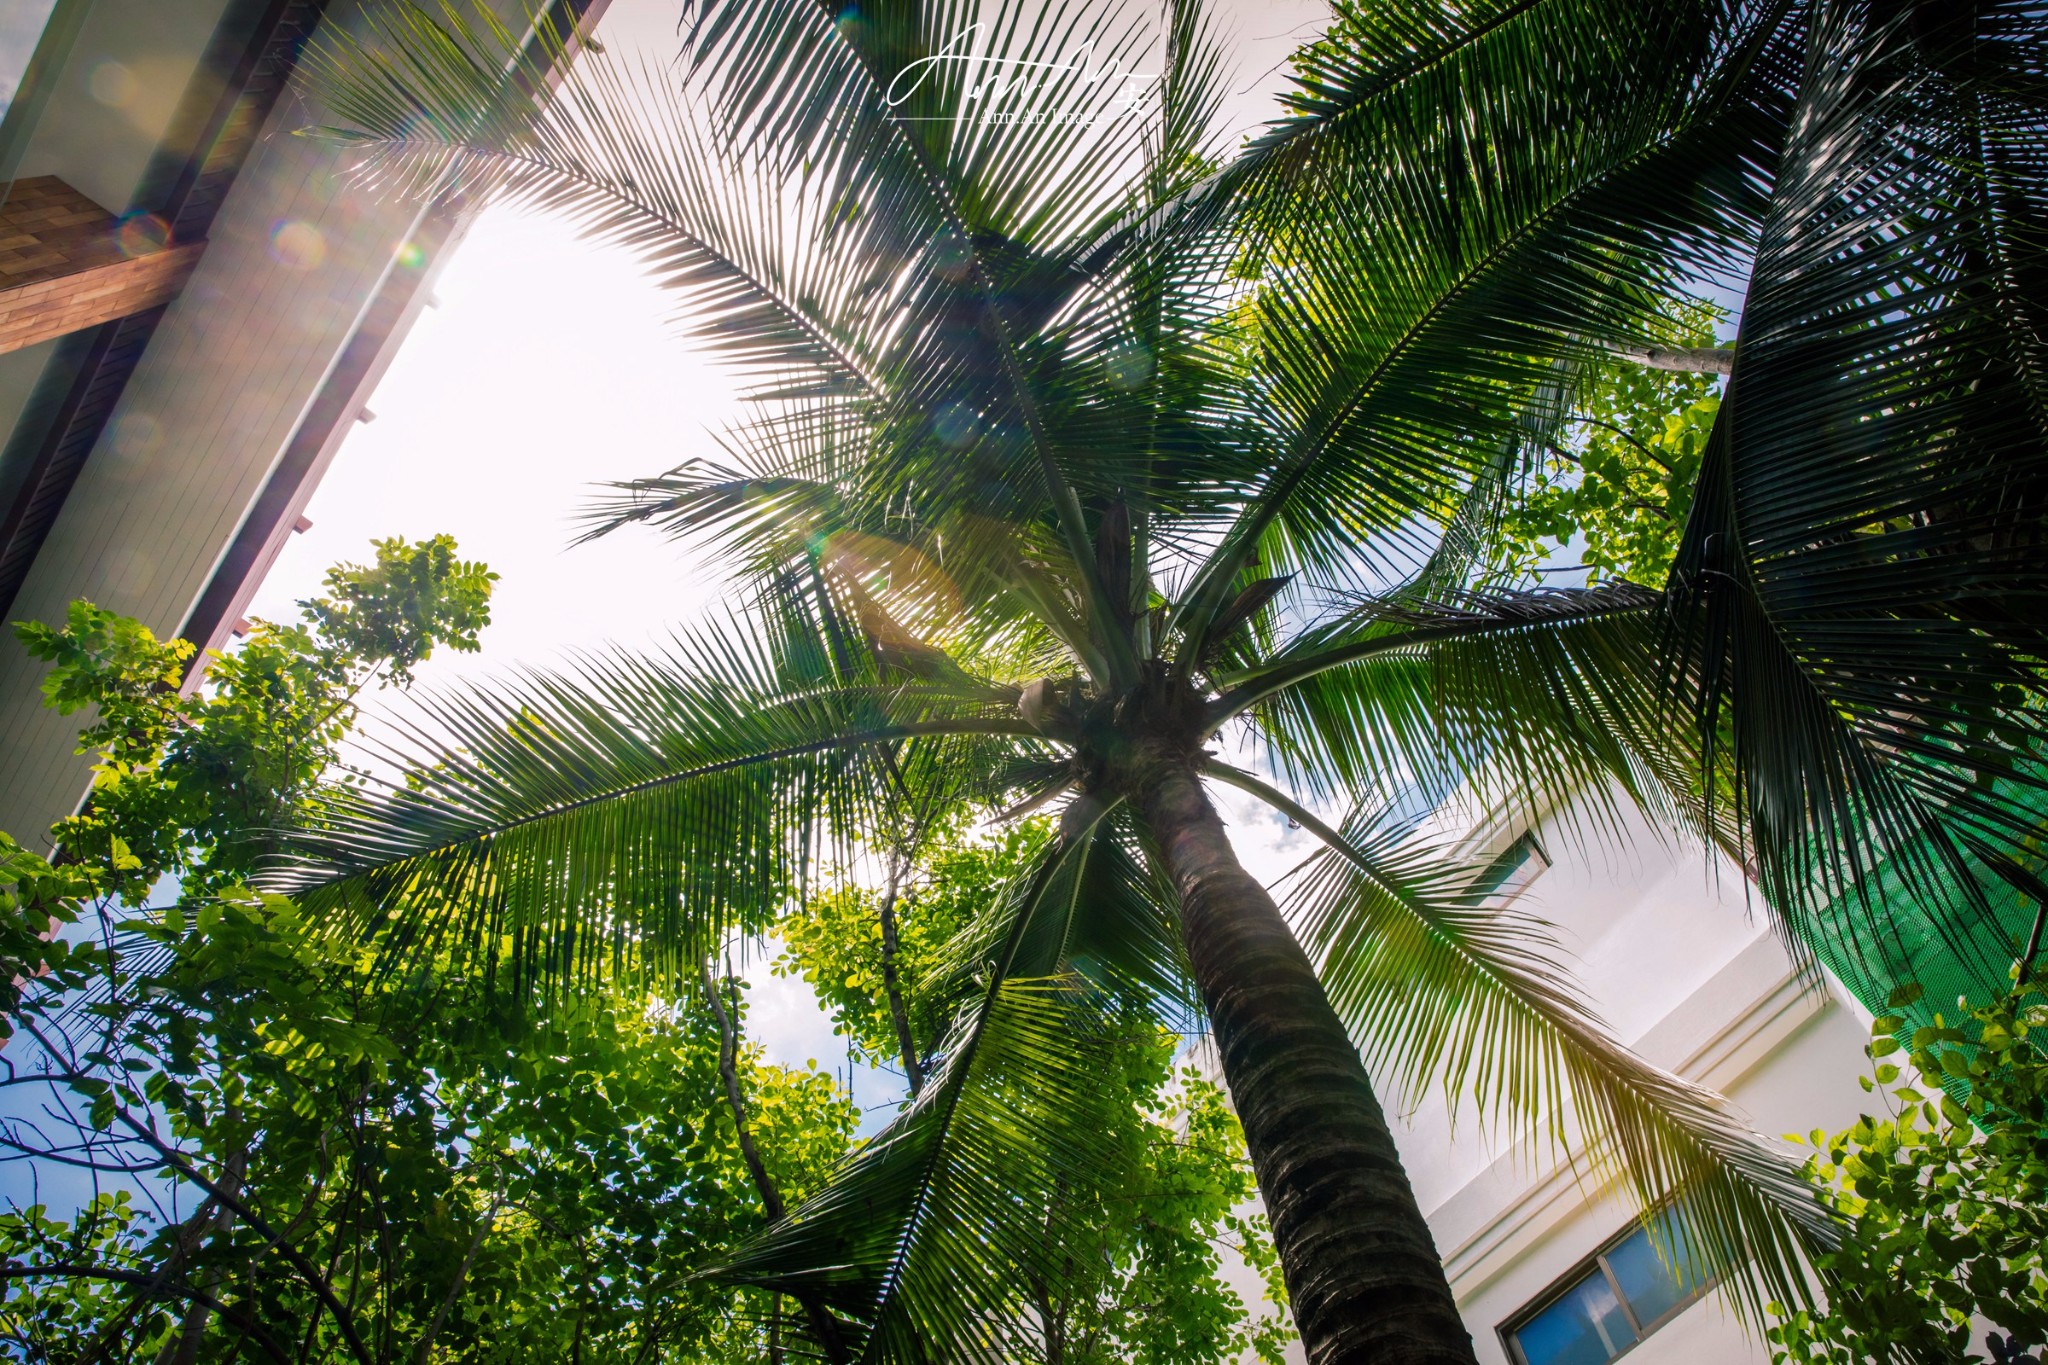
(1084, 449)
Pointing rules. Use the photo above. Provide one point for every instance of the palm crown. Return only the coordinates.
(1080, 445)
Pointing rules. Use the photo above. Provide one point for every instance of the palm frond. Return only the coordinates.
(886, 102)
(1552, 691)
(636, 811)
(1861, 589)
(442, 99)
(1101, 914)
(924, 1246)
(1483, 202)
(1448, 994)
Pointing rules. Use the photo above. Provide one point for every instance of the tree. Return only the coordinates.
(199, 787)
(1621, 477)
(1032, 516)
(835, 940)
(1144, 1284)
(376, 1170)
(1946, 1195)
(319, 1150)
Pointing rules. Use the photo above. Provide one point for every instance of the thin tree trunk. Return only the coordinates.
(906, 1043)
(728, 1072)
(423, 1351)
(183, 1349)
(820, 1320)
(1367, 1285)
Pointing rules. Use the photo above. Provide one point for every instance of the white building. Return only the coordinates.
(195, 304)
(1686, 969)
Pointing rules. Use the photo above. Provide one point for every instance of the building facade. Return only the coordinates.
(1679, 959)
(195, 302)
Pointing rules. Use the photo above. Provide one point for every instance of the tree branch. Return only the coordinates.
(179, 1162)
(149, 1282)
(821, 1322)
(1680, 359)
(913, 1069)
(421, 1352)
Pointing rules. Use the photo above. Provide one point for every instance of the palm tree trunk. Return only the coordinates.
(1362, 1270)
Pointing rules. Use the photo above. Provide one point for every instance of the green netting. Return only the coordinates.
(1893, 930)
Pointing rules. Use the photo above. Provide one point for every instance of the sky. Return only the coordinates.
(21, 24)
(548, 365)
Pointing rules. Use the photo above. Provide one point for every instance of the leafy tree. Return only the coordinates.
(67, 1280)
(1144, 1283)
(198, 786)
(384, 1173)
(1622, 470)
(37, 902)
(1021, 520)
(1945, 1196)
(835, 941)
(332, 1151)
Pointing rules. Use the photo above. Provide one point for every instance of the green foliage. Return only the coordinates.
(1945, 1196)
(398, 610)
(554, 1184)
(57, 1320)
(1029, 498)
(1146, 1286)
(200, 786)
(1142, 1280)
(1622, 473)
(834, 938)
(461, 1174)
(114, 664)
(37, 903)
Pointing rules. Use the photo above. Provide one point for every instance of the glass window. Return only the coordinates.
(1518, 865)
(1624, 1295)
(1585, 1327)
(1652, 1284)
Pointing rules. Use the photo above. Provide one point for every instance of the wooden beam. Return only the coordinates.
(67, 264)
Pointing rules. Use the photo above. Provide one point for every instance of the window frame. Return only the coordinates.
(1508, 889)
(1583, 1270)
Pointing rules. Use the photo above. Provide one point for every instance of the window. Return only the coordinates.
(1520, 863)
(1604, 1308)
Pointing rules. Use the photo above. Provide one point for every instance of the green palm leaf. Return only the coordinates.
(433, 100)
(1555, 690)
(1444, 993)
(1463, 217)
(637, 810)
(924, 1244)
(1861, 590)
(1089, 432)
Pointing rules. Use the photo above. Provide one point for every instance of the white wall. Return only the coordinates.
(19, 371)
(294, 257)
(1683, 968)
(117, 94)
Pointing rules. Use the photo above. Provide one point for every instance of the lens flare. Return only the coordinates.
(1130, 366)
(136, 435)
(142, 233)
(411, 256)
(952, 257)
(955, 425)
(112, 84)
(297, 245)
